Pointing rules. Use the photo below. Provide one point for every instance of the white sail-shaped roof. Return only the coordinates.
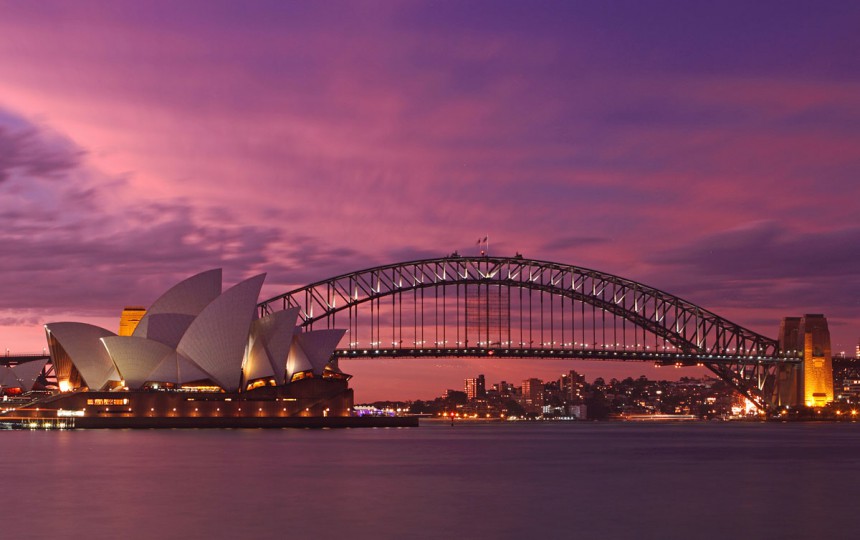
(82, 343)
(269, 345)
(8, 379)
(28, 372)
(189, 298)
(319, 346)
(257, 364)
(312, 350)
(136, 357)
(217, 338)
(167, 328)
(177, 369)
(297, 360)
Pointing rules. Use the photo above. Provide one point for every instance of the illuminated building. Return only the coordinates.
(580, 412)
(811, 382)
(570, 386)
(532, 395)
(195, 333)
(21, 377)
(504, 388)
(129, 319)
(476, 388)
(850, 391)
(198, 357)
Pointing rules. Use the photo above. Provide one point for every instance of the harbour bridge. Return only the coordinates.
(482, 306)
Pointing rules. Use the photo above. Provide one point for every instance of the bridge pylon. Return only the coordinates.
(809, 383)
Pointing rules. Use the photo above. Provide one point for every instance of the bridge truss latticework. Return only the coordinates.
(516, 307)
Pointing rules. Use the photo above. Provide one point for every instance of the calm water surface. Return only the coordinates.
(585, 480)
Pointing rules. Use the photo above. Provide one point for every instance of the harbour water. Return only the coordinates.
(518, 480)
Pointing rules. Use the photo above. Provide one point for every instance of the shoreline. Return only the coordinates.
(298, 422)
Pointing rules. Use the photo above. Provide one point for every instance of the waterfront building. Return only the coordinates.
(849, 391)
(476, 387)
(570, 386)
(21, 377)
(532, 395)
(196, 352)
(577, 411)
(504, 388)
(194, 333)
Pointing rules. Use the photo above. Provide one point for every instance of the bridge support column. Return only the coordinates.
(788, 391)
(810, 383)
(817, 361)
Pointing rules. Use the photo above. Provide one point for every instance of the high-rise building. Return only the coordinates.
(504, 388)
(857, 351)
(570, 386)
(533, 394)
(476, 388)
(131, 315)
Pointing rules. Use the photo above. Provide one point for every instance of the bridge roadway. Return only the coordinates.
(663, 358)
(12, 359)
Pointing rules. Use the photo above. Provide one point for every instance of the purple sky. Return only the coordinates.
(710, 149)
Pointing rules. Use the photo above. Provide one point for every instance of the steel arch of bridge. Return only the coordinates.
(681, 332)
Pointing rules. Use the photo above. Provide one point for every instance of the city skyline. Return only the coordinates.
(706, 150)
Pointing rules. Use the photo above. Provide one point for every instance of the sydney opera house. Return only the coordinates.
(197, 357)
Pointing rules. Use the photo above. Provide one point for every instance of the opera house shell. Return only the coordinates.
(197, 357)
(21, 377)
(194, 333)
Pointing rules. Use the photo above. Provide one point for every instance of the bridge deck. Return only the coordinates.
(642, 356)
(21, 358)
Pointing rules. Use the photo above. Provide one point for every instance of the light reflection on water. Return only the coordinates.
(586, 480)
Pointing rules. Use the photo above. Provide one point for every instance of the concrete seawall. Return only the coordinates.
(316, 422)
